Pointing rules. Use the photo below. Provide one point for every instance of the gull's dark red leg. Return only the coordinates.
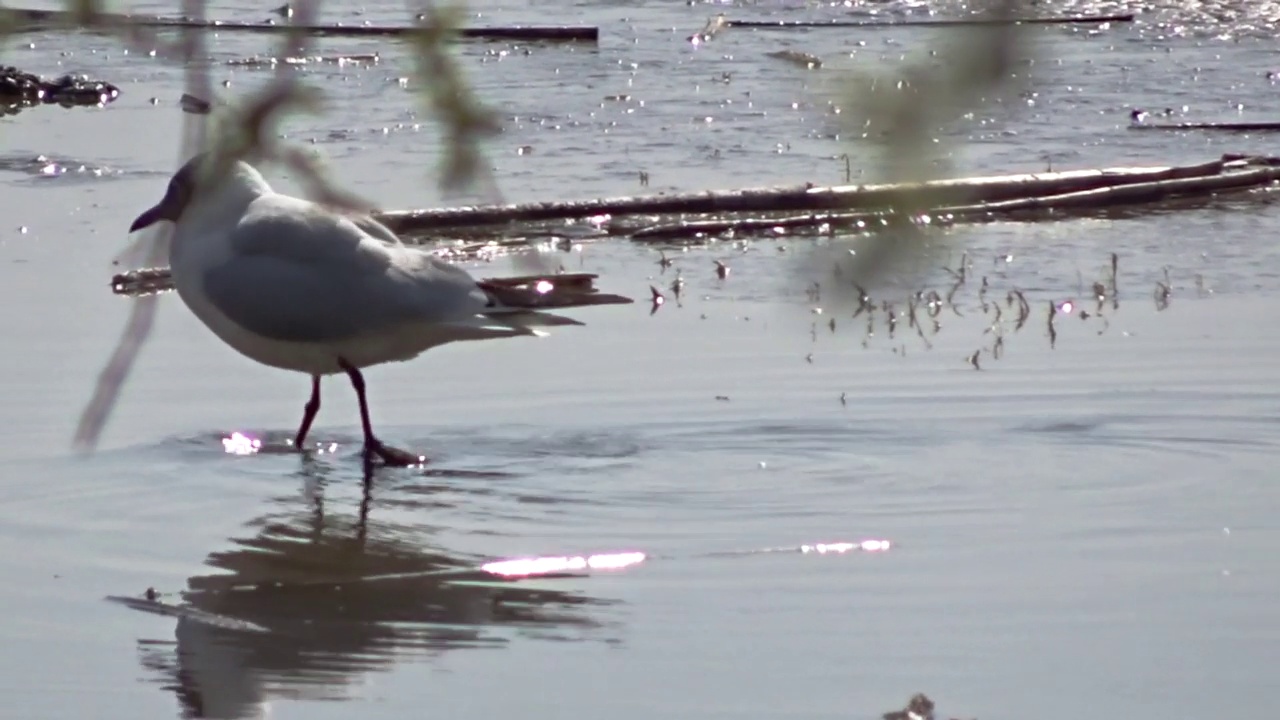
(372, 445)
(309, 412)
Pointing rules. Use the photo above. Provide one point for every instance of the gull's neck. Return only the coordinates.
(243, 175)
(216, 209)
(225, 201)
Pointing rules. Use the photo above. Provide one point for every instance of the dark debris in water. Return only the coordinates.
(919, 707)
(195, 106)
(20, 90)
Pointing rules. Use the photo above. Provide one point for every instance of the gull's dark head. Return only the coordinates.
(182, 186)
(176, 197)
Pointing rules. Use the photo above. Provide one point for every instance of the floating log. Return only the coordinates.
(808, 197)
(959, 22)
(1237, 175)
(24, 20)
(270, 61)
(1223, 126)
(1237, 178)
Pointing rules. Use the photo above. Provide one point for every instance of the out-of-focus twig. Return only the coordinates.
(93, 418)
(904, 116)
(466, 121)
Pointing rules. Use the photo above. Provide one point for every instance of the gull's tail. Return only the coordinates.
(520, 300)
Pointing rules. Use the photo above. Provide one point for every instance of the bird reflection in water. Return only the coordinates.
(313, 600)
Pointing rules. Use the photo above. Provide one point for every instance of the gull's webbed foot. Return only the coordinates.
(392, 457)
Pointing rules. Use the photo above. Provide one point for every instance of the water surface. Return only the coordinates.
(1078, 530)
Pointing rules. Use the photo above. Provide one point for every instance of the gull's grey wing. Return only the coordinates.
(298, 272)
(375, 228)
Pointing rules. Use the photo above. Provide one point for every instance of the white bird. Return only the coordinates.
(294, 285)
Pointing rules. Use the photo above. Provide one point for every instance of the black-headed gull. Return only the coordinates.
(294, 285)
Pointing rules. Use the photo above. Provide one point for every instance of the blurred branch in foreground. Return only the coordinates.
(142, 316)
(904, 114)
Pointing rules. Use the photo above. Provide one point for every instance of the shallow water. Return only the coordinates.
(1078, 530)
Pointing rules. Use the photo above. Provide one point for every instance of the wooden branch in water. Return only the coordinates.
(959, 22)
(1134, 193)
(1242, 176)
(27, 20)
(1224, 126)
(706, 228)
(807, 198)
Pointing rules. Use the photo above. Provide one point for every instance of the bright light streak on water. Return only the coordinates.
(844, 547)
(241, 444)
(524, 567)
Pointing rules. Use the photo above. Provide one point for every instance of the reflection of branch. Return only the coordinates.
(1053, 332)
(1115, 288)
(951, 298)
(1024, 308)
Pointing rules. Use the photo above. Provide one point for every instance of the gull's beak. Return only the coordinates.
(151, 217)
(148, 218)
(166, 209)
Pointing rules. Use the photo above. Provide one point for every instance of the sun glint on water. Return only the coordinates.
(241, 444)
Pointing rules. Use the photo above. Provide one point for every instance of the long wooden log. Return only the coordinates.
(30, 20)
(1047, 206)
(959, 22)
(708, 228)
(808, 198)
(1224, 126)
(1135, 193)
